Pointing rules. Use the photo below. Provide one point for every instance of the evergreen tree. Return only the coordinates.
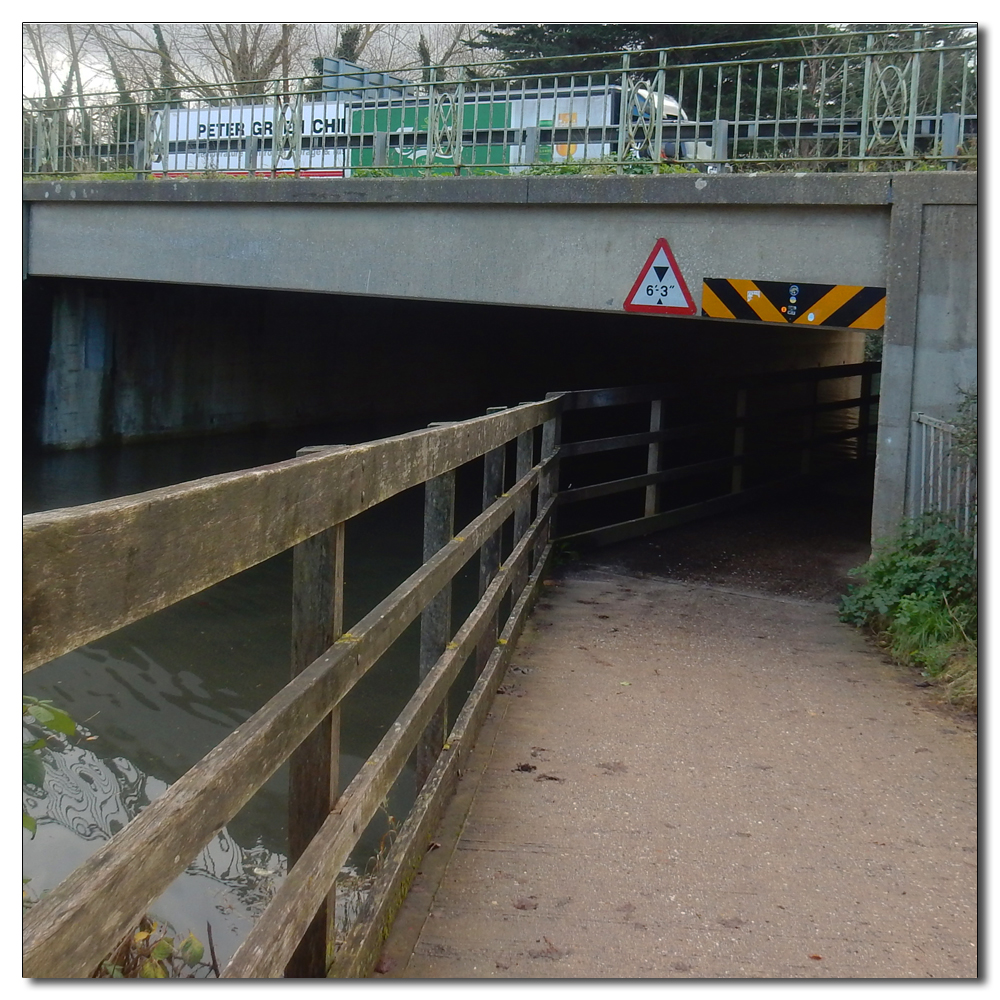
(350, 42)
(543, 48)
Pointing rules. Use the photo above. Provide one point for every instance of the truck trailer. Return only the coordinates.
(480, 127)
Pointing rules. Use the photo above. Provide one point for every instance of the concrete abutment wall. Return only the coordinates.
(186, 360)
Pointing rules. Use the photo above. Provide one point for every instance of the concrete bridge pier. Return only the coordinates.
(931, 347)
(77, 375)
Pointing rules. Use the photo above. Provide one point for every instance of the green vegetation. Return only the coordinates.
(920, 595)
(920, 599)
(147, 953)
(354, 890)
(41, 721)
(151, 953)
(605, 167)
(534, 49)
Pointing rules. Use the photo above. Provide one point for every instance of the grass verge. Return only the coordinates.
(920, 599)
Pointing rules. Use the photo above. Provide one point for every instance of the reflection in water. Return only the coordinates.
(157, 695)
(86, 799)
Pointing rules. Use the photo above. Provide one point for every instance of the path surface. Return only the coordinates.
(691, 780)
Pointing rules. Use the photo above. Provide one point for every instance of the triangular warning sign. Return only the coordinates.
(660, 287)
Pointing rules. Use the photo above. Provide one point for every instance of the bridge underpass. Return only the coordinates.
(556, 246)
(571, 247)
(128, 361)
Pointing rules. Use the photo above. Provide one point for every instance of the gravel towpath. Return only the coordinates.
(701, 779)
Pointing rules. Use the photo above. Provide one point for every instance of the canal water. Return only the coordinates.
(153, 698)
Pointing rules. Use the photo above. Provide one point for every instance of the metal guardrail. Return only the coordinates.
(91, 569)
(940, 479)
(873, 100)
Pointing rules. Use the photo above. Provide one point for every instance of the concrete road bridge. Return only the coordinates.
(571, 246)
(692, 340)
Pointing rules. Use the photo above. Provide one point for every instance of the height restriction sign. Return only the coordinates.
(660, 287)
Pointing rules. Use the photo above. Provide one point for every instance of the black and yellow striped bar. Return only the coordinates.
(857, 307)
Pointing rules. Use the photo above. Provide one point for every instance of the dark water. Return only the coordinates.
(156, 696)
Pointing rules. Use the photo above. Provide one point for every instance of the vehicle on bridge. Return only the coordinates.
(392, 126)
(874, 99)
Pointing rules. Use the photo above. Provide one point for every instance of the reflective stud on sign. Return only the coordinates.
(858, 307)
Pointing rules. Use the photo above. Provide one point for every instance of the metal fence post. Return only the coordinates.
(530, 145)
(251, 148)
(720, 140)
(659, 104)
(951, 132)
(909, 144)
(431, 103)
(489, 554)
(380, 149)
(435, 620)
(624, 115)
(314, 776)
(866, 96)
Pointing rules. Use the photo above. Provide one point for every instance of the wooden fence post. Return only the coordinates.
(314, 778)
(548, 484)
(435, 620)
(653, 458)
(739, 441)
(522, 516)
(864, 416)
(809, 432)
(494, 467)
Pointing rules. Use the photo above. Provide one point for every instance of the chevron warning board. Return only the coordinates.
(856, 306)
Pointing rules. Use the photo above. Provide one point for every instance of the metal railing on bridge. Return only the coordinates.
(941, 479)
(879, 99)
(633, 460)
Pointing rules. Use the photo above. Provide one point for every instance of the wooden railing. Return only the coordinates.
(92, 569)
(711, 447)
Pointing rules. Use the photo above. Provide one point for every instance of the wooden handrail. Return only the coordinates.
(274, 936)
(97, 904)
(92, 569)
(585, 399)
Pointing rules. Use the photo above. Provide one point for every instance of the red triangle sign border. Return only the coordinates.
(686, 310)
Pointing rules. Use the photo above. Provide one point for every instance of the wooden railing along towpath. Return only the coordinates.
(90, 570)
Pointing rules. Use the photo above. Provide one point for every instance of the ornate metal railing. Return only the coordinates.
(886, 99)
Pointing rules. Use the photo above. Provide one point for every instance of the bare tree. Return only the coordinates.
(54, 52)
(226, 59)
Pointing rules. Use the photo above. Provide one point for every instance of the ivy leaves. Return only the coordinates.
(930, 557)
(41, 715)
(152, 953)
